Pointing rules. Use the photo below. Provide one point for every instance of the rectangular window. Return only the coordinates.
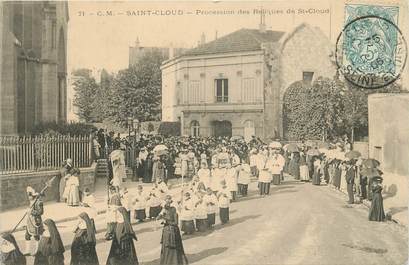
(307, 76)
(222, 90)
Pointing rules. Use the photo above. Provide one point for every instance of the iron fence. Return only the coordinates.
(25, 153)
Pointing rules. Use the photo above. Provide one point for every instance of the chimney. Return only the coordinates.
(262, 26)
(202, 39)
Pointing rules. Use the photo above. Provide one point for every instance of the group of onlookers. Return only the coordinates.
(340, 168)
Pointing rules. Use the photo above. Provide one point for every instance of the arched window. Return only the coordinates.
(194, 128)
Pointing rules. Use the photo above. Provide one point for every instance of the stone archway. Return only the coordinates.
(62, 77)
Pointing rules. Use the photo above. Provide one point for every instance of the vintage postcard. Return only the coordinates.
(204, 132)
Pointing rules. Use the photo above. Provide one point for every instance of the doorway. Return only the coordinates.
(222, 128)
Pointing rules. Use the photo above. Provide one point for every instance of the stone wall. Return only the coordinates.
(13, 187)
(388, 118)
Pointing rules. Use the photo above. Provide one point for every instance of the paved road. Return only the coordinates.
(297, 224)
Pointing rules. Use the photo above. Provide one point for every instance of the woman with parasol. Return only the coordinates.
(376, 211)
(294, 163)
(367, 171)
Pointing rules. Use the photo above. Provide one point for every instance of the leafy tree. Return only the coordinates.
(136, 91)
(328, 109)
(86, 90)
(151, 128)
(313, 111)
(356, 102)
(102, 97)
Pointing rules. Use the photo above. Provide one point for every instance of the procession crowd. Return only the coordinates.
(215, 173)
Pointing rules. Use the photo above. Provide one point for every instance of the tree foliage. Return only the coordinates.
(327, 109)
(86, 91)
(134, 92)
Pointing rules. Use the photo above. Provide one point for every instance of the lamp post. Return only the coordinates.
(129, 123)
(135, 129)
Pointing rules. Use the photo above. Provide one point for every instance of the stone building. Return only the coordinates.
(235, 85)
(137, 51)
(33, 64)
(388, 124)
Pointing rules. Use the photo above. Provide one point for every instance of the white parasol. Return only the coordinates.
(160, 147)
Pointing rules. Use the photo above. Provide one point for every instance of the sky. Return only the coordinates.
(100, 33)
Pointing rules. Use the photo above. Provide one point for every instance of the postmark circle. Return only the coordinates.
(371, 52)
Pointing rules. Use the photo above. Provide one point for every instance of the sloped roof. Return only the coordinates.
(237, 41)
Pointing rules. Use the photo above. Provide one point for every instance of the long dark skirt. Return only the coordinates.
(337, 178)
(277, 179)
(57, 259)
(123, 252)
(376, 212)
(294, 169)
(172, 252)
(233, 195)
(147, 171)
(188, 227)
(83, 253)
(140, 215)
(154, 211)
(243, 188)
(264, 188)
(326, 173)
(202, 225)
(224, 215)
(370, 193)
(211, 219)
(316, 178)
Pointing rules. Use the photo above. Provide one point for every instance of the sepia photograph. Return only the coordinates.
(213, 132)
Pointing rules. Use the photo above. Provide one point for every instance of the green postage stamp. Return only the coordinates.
(371, 50)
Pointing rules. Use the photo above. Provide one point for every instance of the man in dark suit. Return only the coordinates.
(350, 177)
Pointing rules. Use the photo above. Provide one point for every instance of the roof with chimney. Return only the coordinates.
(238, 41)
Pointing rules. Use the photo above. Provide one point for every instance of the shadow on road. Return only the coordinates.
(366, 249)
(232, 222)
(395, 210)
(291, 182)
(275, 192)
(192, 258)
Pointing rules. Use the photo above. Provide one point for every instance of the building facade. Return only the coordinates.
(33, 64)
(235, 85)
